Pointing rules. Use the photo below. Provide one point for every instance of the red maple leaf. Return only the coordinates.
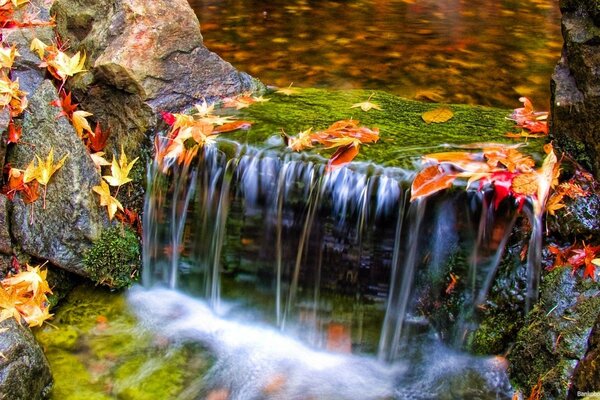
(584, 257)
(97, 141)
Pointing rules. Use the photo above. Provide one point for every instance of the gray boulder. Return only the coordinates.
(575, 84)
(72, 219)
(24, 370)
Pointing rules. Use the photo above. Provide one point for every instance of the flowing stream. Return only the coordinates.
(277, 266)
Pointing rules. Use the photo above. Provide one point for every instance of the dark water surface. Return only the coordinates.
(462, 51)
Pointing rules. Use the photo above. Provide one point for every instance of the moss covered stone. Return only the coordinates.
(115, 258)
(404, 134)
(556, 333)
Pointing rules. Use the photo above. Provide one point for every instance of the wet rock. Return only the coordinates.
(587, 373)
(72, 219)
(5, 241)
(555, 335)
(575, 84)
(24, 370)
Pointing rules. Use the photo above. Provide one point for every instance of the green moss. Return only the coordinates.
(115, 258)
(404, 134)
(556, 333)
(97, 351)
(492, 335)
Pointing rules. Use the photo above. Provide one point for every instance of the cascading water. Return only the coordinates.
(340, 261)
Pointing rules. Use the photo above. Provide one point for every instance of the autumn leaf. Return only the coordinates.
(120, 171)
(106, 199)
(99, 160)
(431, 180)
(555, 203)
(14, 133)
(232, 126)
(43, 171)
(525, 117)
(80, 123)
(7, 56)
(301, 141)
(288, 91)
(260, 99)
(204, 109)
(584, 257)
(97, 141)
(561, 255)
(8, 305)
(367, 105)
(66, 105)
(343, 155)
(38, 47)
(438, 115)
(452, 284)
(64, 66)
(33, 280)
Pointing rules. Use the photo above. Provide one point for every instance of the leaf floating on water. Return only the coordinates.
(437, 115)
(429, 181)
(342, 156)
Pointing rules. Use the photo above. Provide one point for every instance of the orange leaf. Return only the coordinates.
(343, 155)
(14, 133)
(232, 126)
(431, 180)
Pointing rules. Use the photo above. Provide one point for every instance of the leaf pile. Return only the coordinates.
(509, 171)
(575, 187)
(345, 136)
(190, 132)
(23, 297)
(534, 123)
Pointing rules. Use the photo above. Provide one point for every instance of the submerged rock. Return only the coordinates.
(24, 370)
(575, 85)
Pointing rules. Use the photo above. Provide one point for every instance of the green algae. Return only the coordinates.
(97, 350)
(404, 136)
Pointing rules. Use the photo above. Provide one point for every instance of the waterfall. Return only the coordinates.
(341, 259)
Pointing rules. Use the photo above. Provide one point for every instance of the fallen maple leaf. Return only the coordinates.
(584, 257)
(33, 280)
(66, 105)
(343, 155)
(14, 133)
(204, 109)
(106, 199)
(288, 91)
(43, 171)
(97, 141)
(301, 141)
(38, 47)
(7, 56)
(438, 115)
(99, 160)
(525, 117)
(80, 123)
(120, 171)
(367, 105)
(63, 66)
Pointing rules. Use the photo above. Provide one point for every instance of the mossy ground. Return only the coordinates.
(404, 136)
(97, 351)
(115, 258)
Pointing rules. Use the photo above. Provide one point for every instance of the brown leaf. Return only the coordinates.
(342, 156)
(438, 115)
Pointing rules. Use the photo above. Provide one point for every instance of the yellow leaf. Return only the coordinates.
(99, 160)
(80, 123)
(342, 141)
(438, 115)
(367, 105)
(596, 261)
(204, 109)
(47, 168)
(8, 305)
(30, 172)
(66, 66)
(288, 91)
(260, 99)
(120, 171)
(38, 47)
(31, 280)
(302, 141)
(7, 56)
(107, 200)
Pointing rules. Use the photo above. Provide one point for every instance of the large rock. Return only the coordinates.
(72, 219)
(5, 241)
(24, 370)
(151, 48)
(576, 84)
(587, 374)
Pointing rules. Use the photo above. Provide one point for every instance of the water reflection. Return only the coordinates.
(464, 51)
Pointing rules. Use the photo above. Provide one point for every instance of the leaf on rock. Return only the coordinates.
(14, 133)
(99, 160)
(438, 115)
(80, 123)
(64, 66)
(106, 199)
(97, 141)
(120, 171)
(45, 169)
